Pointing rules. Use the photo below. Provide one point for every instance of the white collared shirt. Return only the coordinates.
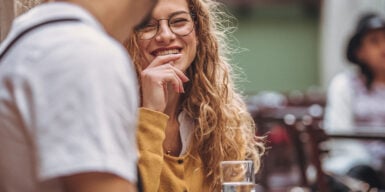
(186, 127)
(68, 102)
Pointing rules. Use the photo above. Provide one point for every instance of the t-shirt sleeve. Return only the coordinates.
(83, 111)
(339, 115)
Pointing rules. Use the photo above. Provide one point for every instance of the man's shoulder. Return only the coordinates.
(81, 35)
(62, 25)
(82, 42)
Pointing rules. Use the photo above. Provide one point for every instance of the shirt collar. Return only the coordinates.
(46, 12)
(186, 127)
(55, 10)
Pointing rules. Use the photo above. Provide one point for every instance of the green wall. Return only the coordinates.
(281, 50)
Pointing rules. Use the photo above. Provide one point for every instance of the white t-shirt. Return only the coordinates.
(351, 105)
(68, 102)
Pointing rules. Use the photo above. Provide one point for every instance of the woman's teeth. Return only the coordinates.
(167, 52)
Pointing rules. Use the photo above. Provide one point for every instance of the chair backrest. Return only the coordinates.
(302, 125)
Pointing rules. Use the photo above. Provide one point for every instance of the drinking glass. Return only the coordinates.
(237, 176)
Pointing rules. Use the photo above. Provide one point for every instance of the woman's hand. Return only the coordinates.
(155, 79)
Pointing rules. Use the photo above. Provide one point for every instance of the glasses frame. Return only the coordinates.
(193, 16)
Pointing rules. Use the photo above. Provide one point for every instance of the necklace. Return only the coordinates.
(172, 143)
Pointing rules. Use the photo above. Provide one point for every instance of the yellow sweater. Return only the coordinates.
(161, 172)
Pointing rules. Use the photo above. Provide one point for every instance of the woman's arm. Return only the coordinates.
(150, 138)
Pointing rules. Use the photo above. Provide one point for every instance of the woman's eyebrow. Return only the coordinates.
(176, 13)
(169, 15)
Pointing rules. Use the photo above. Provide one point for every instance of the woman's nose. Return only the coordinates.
(165, 34)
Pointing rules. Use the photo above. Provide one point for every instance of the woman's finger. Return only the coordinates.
(180, 74)
(165, 74)
(161, 60)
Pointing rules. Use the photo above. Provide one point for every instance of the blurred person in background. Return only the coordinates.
(69, 99)
(191, 117)
(356, 98)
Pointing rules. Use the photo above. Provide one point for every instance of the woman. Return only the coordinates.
(356, 101)
(191, 118)
(354, 96)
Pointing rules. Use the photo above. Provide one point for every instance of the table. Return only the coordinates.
(361, 133)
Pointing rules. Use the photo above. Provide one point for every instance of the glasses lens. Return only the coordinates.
(148, 30)
(181, 24)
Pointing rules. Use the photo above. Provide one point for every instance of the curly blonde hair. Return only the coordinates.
(218, 135)
(21, 6)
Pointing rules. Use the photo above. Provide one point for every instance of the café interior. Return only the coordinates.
(290, 52)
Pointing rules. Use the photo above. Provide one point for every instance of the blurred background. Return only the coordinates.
(281, 41)
(294, 44)
(290, 52)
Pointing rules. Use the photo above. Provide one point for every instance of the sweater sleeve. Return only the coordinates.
(150, 138)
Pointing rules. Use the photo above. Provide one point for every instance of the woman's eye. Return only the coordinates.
(149, 27)
(179, 21)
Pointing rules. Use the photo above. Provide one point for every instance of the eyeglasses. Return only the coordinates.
(180, 24)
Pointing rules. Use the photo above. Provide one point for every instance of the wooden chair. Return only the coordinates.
(302, 127)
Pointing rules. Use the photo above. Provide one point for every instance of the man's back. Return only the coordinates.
(67, 103)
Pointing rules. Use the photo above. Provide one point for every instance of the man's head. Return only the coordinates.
(118, 17)
(136, 12)
(143, 10)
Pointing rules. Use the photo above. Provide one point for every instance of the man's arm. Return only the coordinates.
(97, 182)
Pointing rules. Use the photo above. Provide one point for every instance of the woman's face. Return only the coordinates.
(372, 50)
(165, 14)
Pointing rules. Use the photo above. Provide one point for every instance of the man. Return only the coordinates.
(68, 98)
